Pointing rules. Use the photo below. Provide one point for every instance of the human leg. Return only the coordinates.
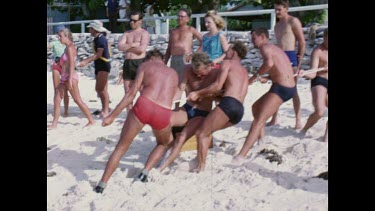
(131, 128)
(319, 102)
(56, 105)
(78, 100)
(163, 139)
(188, 131)
(127, 84)
(101, 88)
(262, 110)
(297, 103)
(326, 134)
(66, 102)
(214, 121)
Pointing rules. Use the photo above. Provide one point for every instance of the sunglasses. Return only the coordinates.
(135, 21)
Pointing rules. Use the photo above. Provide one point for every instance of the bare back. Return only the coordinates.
(285, 36)
(236, 84)
(281, 72)
(195, 83)
(138, 36)
(159, 83)
(181, 40)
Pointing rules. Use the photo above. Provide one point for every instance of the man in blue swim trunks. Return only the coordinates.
(288, 31)
(275, 62)
(233, 79)
(319, 84)
(198, 75)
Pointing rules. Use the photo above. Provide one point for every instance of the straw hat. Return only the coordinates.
(97, 25)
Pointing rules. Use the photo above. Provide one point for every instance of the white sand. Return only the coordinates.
(78, 157)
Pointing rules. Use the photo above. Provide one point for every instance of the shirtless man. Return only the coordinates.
(197, 75)
(288, 30)
(233, 79)
(319, 84)
(134, 44)
(276, 63)
(180, 46)
(153, 107)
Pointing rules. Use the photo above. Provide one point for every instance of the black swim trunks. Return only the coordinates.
(194, 112)
(319, 81)
(130, 68)
(232, 108)
(101, 65)
(285, 93)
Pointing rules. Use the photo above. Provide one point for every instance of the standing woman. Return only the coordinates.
(101, 61)
(58, 49)
(215, 43)
(69, 79)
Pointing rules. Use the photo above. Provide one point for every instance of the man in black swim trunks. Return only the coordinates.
(277, 64)
(134, 44)
(198, 75)
(233, 79)
(319, 84)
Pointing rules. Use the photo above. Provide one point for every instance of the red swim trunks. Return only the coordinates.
(151, 113)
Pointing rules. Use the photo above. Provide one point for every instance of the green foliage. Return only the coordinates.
(317, 16)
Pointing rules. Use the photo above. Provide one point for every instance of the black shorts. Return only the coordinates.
(130, 68)
(319, 81)
(101, 65)
(285, 93)
(232, 108)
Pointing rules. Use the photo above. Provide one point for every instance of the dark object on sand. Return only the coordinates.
(271, 155)
(51, 174)
(98, 189)
(142, 176)
(323, 175)
(97, 112)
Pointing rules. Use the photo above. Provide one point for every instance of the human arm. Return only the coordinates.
(71, 53)
(265, 67)
(123, 46)
(168, 52)
(141, 48)
(215, 86)
(314, 63)
(97, 55)
(224, 46)
(127, 99)
(197, 35)
(298, 32)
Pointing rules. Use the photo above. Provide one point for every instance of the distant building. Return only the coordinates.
(61, 12)
(255, 21)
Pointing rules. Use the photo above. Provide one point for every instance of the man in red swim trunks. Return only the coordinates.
(153, 107)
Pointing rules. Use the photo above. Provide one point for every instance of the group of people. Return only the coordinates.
(212, 73)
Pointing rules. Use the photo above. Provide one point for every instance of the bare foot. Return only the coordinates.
(66, 114)
(238, 160)
(89, 124)
(53, 126)
(271, 123)
(298, 125)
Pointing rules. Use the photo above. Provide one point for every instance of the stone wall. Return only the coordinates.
(253, 59)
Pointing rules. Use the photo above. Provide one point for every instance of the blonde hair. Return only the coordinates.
(67, 33)
(218, 20)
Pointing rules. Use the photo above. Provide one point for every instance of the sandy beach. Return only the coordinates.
(78, 157)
